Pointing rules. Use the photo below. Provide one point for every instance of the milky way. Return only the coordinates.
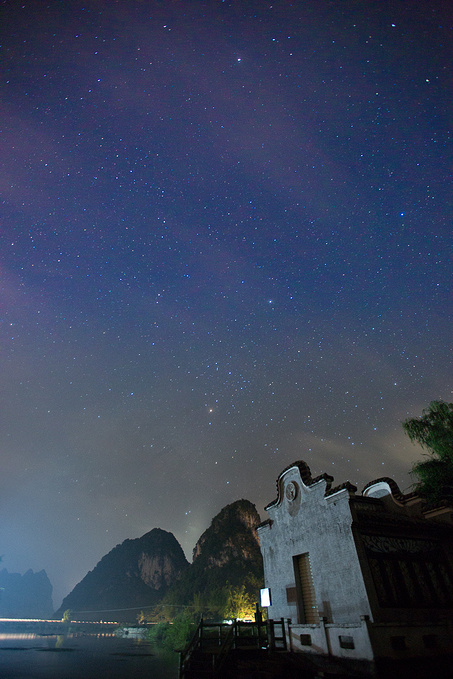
(224, 246)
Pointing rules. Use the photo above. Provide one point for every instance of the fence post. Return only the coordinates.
(271, 634)
(282, 621)
(323, 624)
(290, 635)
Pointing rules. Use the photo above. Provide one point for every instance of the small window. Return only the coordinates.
(305, 639)
(291, 595)
(346, 642)
(398, 643)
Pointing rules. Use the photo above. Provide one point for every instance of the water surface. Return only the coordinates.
(31, 656)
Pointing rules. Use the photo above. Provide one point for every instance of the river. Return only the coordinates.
(83, 656)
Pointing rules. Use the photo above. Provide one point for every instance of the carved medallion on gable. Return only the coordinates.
(291, 491)
(292, 495)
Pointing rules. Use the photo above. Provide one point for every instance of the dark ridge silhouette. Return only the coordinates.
(136, 573)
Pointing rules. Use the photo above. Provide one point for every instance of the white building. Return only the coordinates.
(358, 576)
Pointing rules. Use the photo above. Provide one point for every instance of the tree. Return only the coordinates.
(239, 603)
(67, 615)
(174, 635)
(434, 432)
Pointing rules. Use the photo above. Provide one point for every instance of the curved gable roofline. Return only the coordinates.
(393, 487)
(306, 477)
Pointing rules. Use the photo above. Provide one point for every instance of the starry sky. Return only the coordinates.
(224, 246)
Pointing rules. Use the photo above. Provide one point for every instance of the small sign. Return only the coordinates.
(265, 595)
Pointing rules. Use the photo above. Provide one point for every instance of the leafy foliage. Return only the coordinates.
(240, 604)
(434, 432)
(174, 635)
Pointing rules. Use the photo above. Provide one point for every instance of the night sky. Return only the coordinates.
(224, 246)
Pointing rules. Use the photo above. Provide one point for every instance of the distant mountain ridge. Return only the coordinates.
(25, 596)
(136, 573)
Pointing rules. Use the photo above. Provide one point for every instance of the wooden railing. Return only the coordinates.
(226, 647)
(186, 654)
(276, 634)
(216, 639)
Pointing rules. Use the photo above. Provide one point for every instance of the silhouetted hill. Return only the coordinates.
(135, 574)
(25, 596)
(228, 553)
(141, 573)
(231, 537)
